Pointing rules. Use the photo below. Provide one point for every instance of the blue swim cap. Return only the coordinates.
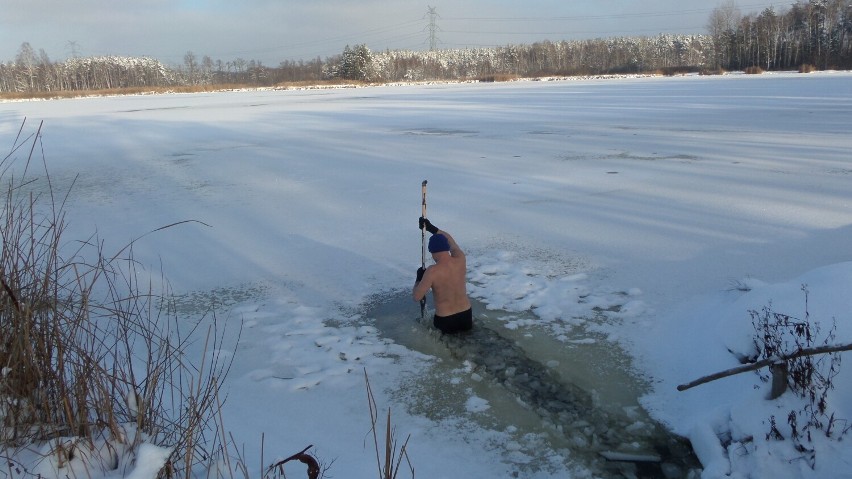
(438, 243)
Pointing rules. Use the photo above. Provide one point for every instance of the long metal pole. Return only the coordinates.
(423, 246)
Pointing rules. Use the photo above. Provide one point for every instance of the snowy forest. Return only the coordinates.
(812, 34)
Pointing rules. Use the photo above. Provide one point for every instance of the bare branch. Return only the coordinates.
(764, 363)
(301, 456)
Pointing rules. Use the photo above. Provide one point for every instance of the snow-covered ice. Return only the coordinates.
(652, 212)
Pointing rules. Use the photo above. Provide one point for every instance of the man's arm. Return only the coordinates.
(422, 287)
(455, 250)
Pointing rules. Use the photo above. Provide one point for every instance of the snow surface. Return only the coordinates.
(658, 200)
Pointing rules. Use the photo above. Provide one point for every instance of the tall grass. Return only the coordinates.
(94, 362)
(91, 357)
(387, 464)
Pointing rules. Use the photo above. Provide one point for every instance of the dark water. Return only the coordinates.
(576, 398)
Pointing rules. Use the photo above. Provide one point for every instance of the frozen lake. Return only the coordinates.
(588, 205)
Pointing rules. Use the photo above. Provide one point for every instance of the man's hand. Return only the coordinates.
(424, 223)
(420, 272)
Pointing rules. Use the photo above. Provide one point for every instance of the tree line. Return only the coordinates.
(815, 32)
(812, 32)
(31, 72)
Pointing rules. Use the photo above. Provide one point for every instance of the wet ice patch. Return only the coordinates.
(567, 396)
(306, 347)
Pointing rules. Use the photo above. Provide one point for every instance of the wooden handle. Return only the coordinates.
(423, 208)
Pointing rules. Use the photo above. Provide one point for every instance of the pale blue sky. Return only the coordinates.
(276, 30)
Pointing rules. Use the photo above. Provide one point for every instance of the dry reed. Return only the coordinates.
(87, 349)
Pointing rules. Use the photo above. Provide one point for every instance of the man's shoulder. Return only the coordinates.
(435, 268)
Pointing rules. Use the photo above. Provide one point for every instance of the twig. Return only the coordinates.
(371, 403)
(11, 294)
(389, 449)
(178, 223)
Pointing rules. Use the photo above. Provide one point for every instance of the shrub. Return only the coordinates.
(754, 70)
(809, 377)
(807, 68)
(678, 70)
(497, 77)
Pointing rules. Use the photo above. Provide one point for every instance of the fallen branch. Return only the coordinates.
(764, 363)
(313, 465)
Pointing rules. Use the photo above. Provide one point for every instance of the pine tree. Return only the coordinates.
(355, 63)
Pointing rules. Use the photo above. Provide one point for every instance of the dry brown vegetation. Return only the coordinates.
(497, 77)
(87, 349)
(678, 70)
(113, 92)
(170, 89)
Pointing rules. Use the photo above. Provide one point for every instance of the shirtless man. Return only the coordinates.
(446, 279)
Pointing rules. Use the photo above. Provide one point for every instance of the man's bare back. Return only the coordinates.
(446, 278)
(449, 288)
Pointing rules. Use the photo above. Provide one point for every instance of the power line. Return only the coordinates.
(572, 32)
(612, 16)
(327, 46)
(406, 31)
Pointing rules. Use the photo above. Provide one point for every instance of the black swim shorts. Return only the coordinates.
(454, 323)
